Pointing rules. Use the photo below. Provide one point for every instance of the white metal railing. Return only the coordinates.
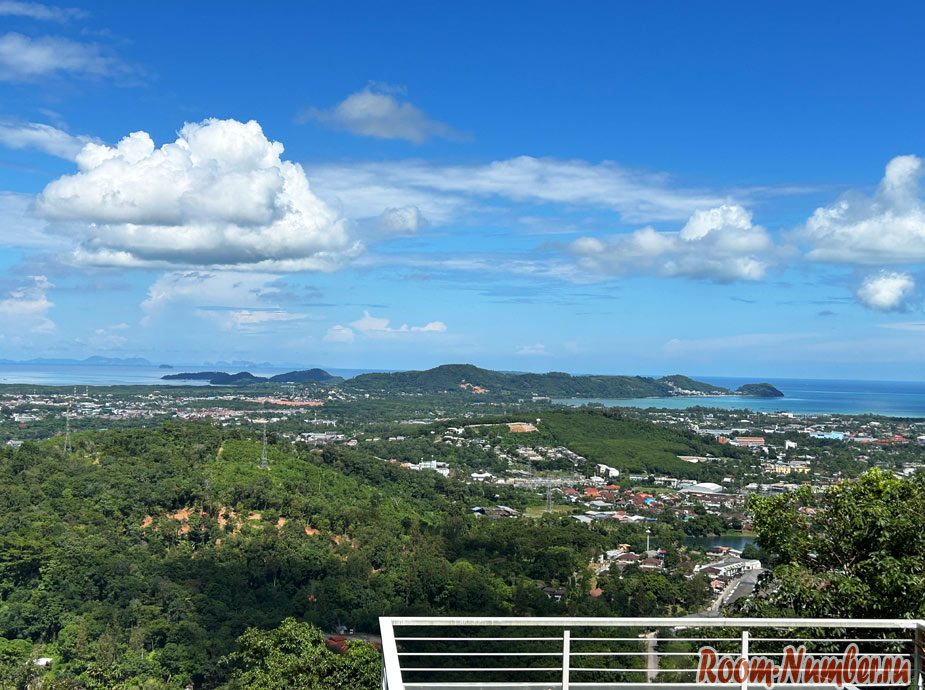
(627, 653)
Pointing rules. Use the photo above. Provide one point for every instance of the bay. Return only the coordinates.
(801, 396)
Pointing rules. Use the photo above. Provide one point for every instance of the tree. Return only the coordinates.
(752, 551)
(857, 551)
(294, 657)
(17, 672)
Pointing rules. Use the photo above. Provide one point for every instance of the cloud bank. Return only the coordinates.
(27, 306)
(444, 193)
(35, 10)
(51, 140)
(26, 59)
(232, 300)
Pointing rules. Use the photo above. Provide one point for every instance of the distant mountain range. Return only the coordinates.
(466, 378)
(89, 361)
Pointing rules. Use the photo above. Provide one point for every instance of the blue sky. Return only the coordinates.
(587, 187)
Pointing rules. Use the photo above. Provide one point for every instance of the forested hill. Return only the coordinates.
(466, 377)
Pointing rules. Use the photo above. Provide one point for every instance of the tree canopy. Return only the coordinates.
(856, 551)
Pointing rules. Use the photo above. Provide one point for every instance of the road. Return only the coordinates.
(735, 590)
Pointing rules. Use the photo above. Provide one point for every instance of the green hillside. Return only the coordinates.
(469, 378)
(140, 559)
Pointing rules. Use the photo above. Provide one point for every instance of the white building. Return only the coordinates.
(607, 471)
(730, 567)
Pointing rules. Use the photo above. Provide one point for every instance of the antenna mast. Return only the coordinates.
(67, 429)
(264, 465)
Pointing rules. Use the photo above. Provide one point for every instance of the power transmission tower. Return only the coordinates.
(67, 430)
(549, 498)
(264, 465)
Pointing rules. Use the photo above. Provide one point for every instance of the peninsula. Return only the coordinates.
(467, 378)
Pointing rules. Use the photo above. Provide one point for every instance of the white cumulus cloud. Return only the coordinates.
(407, 219)
(376, 112)
(373, 326)
(886, 291)
(371, 323)
(719, 244)
(885, 228)
(432, 327)
(23, 58)
(220, 195)
(46, 138)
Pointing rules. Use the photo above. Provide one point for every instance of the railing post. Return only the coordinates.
(918, 641)
(651, 656)
(391, 668)
(745, 656)
(566, 657)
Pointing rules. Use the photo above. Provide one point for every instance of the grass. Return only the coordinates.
(538, 511)
(631, 445)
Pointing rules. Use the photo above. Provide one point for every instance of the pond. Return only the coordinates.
(736, 542)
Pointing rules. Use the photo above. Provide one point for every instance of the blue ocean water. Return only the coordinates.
(801, 396)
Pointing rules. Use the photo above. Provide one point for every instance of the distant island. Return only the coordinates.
(245, 378)
(467, 378)
(759, 390)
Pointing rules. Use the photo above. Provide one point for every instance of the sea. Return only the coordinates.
(801, 396)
